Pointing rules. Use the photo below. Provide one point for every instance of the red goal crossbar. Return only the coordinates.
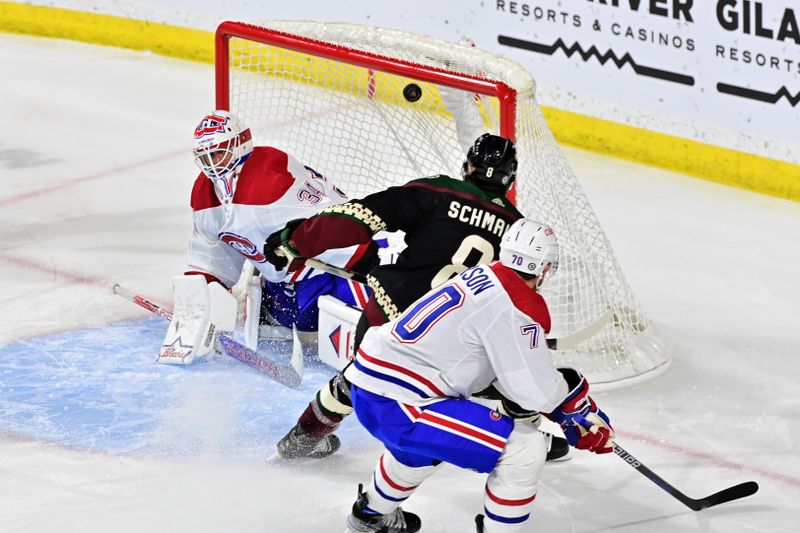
(505, 94)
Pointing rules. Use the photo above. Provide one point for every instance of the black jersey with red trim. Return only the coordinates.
(450, 225)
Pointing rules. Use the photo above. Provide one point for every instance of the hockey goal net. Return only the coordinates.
(371, 107)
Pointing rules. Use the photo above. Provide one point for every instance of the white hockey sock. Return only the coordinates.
(393, 482)
(511, 487)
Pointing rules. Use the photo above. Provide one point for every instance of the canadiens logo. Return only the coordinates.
(243, 246)
(494, 415)
(210, 125)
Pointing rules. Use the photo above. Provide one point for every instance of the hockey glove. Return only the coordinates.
(368, 259)
(585, 426)
(278, 249)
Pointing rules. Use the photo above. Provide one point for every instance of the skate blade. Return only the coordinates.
(276, 460)
(562, 459)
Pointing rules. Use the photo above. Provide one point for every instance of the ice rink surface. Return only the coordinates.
(95, 437)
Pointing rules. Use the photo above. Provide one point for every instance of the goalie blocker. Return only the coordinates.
(202, 311)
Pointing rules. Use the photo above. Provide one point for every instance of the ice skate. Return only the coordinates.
(298, 444)
(365, 520)
(557, 448)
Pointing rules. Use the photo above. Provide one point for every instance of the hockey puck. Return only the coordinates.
(412, 92)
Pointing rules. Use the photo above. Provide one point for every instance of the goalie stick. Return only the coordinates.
(562, 343)
(336, 271)
(289, 375)
(736, 492)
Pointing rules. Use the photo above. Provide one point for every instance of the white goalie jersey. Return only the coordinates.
(272, 189)
(483, 327)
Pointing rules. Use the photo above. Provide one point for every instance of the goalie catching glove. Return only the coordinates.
(585, 425)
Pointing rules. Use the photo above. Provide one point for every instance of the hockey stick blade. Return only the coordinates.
(297, 354)
(742, 490)
(727, 495)
(570, 341)
(283, 374)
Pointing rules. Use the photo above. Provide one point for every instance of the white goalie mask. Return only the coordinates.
(530, 247)
(221, 146)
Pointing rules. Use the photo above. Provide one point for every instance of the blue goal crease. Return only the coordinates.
(100, 389)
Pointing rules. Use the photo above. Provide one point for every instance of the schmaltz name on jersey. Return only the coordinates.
(477, 217)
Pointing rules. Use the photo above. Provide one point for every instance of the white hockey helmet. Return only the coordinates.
(530, 247)
(221, 146)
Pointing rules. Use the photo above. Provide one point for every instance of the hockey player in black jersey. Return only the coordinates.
(449, 224)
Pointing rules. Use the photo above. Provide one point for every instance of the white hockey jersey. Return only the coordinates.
(273, 188)
(484, 326)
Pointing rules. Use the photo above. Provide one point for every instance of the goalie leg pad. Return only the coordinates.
(337, 331)
(222, 309)
(251, 310)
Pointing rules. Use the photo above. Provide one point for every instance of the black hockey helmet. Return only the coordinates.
(491, 161)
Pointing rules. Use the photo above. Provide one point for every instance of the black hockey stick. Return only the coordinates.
(736, 492)
(289, 375)
(334, 270)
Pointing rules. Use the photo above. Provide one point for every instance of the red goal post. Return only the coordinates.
(334, 95)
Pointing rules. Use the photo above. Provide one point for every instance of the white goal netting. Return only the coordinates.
(334, 98)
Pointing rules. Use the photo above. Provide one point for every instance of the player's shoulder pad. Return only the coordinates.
(510, 206)
(265, 177)
(524, 299)
(437, 180)
(459, 188)
(203, 195)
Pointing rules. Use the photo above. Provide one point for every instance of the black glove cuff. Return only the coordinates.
(571, 376)
(514, 410)
(368, 261)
